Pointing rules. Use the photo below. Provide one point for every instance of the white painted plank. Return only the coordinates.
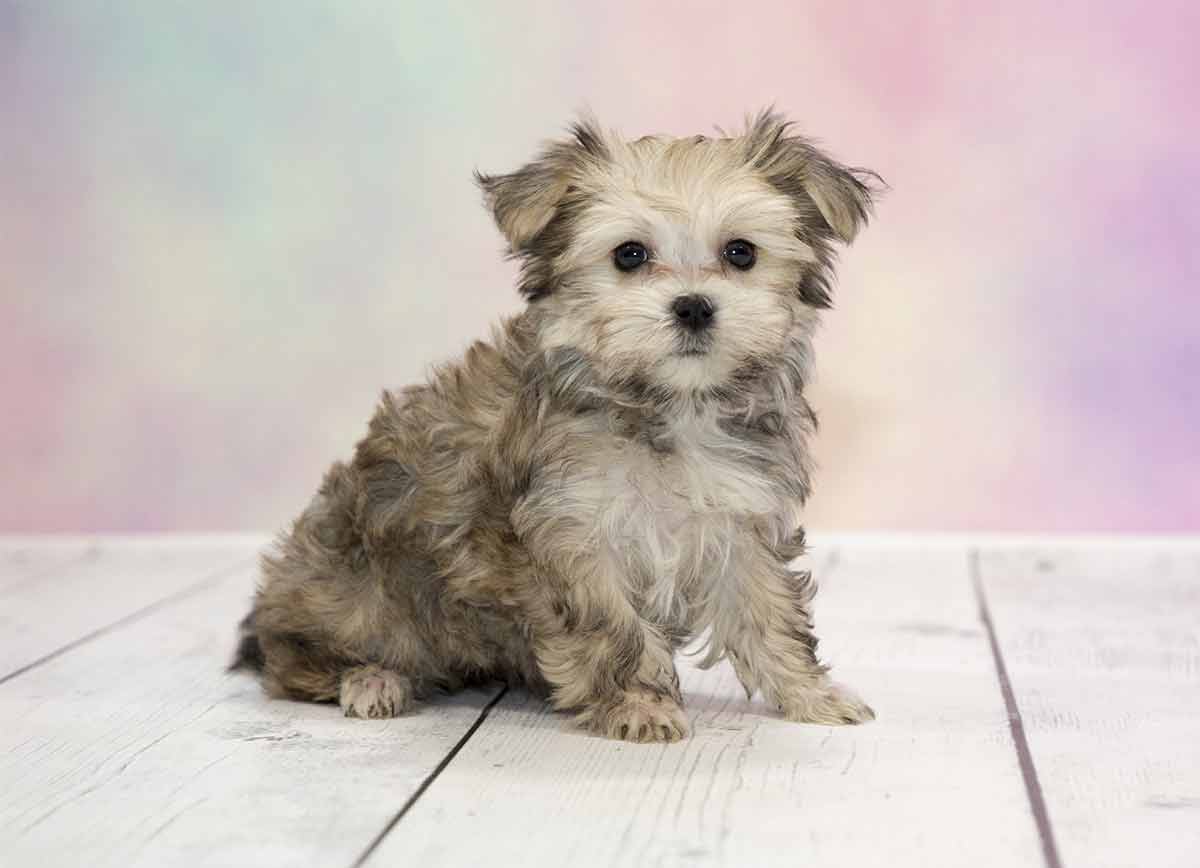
(136, 748)
(27, 560)
(55, 602)
(933, 782)
(1102, 645)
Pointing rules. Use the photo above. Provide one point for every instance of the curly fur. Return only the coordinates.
(571, 501)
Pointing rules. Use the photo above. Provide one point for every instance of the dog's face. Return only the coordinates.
(678, 263)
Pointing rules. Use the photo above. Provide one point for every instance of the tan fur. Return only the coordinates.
(574, 499)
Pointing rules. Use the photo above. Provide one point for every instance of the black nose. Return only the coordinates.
(693, 311)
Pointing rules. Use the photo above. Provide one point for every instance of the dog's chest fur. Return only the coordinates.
(670, 505)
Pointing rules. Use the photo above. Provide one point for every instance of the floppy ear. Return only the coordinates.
(833, 200)
(842, 195)
(523, 202)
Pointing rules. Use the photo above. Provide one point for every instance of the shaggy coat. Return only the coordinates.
(608, 476)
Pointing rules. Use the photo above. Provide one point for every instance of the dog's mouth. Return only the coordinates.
(693, 346)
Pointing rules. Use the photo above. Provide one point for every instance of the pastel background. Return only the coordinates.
(225, 226)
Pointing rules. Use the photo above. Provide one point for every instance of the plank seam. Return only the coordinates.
(1033, 786)
(184, 593)
(429, 779)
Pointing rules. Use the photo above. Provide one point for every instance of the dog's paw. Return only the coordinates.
(639, 716)
(372, 691)
(830, 704)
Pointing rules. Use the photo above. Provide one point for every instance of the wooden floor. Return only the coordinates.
(1038, 701)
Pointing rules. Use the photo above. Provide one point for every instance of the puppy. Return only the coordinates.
(621, 468)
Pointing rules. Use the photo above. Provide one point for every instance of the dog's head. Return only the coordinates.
(679, 263)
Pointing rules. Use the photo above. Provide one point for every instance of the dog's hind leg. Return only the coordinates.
(373, 691)
(295, 667)
(335, 623)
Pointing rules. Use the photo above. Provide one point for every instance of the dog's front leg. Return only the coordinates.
(767, 631)
(603, 661)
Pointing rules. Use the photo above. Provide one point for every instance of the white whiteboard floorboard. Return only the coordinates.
(1102, 645)
(136, 748)
(53, 595)
(124, 742)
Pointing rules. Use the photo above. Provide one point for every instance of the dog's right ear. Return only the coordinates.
(523, 202)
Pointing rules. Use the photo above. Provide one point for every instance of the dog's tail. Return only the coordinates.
(249, 654)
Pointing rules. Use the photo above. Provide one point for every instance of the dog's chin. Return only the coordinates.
(693, 369)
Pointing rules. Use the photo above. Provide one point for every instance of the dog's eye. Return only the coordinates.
(630, 255)
(740, 254)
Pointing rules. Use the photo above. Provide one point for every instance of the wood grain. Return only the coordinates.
(1102, 644)
(136, 748)
(61, 594)
(933, 782)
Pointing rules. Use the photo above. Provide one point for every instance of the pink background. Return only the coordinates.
(225, 226)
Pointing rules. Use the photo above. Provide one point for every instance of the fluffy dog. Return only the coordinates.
(622, 467)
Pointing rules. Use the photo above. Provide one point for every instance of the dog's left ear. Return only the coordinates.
(834, 201)
(524, 202)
